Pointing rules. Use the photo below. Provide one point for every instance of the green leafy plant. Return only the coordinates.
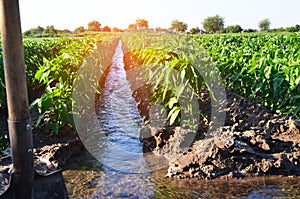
(57, 72)
(169, 66)
(263, 67)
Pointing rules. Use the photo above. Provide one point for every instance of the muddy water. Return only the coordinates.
(122, 173)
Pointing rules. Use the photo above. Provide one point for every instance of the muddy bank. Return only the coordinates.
(51, 154)
(252, 142)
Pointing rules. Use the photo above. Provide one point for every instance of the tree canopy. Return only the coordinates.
(132, 27)
(233, 29)
(141, 24)
(94, 26)
(178, 26)
(264, 24)
(195, 30)
(213, 24)
(79, 29)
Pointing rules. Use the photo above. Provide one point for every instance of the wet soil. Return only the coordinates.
(253, 142)
(51, 153)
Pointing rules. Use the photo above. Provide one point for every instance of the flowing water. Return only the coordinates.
(122, 171)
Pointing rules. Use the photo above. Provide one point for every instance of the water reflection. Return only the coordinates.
(85, 178)
(125, 172)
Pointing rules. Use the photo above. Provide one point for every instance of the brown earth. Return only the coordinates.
(253, 142)
(51, 153)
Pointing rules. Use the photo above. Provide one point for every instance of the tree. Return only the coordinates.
(39, 30)
(106, 29)
(178, 26)
(195, 30)
(233, 29)
(79, 29)
(132, 27)
(50, 30)
(291, 29)
(213, 24)
(94, 26)
(33, 31)
(141, 24)
(264, 24)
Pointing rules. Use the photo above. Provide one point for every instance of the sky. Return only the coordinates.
(71, 14)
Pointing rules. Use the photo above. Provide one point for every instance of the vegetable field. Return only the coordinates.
(51, 66)
(263, 67)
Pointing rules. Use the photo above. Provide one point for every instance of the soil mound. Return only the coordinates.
(253, 142)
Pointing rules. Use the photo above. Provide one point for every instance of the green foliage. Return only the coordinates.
(36, 52)
(195, 30)
(233, 29)
(33, 31)
(291, 29)
(168, 63)
(53, 64)
(264, 67)
(57, 72)
(213, 24)
(264, 24)
(49, 31)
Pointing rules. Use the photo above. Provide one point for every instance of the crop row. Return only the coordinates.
(263, 67)
(51, 67)
(177, 70)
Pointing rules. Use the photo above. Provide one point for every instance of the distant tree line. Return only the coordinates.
(212, 24)
(50, 31)
(215, 24)
(139, 25)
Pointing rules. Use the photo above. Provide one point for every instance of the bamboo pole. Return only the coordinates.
(19, 124)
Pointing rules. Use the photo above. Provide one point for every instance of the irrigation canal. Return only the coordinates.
(122, 173)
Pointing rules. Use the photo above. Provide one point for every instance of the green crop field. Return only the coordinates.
(52, 64)
(263, 67)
